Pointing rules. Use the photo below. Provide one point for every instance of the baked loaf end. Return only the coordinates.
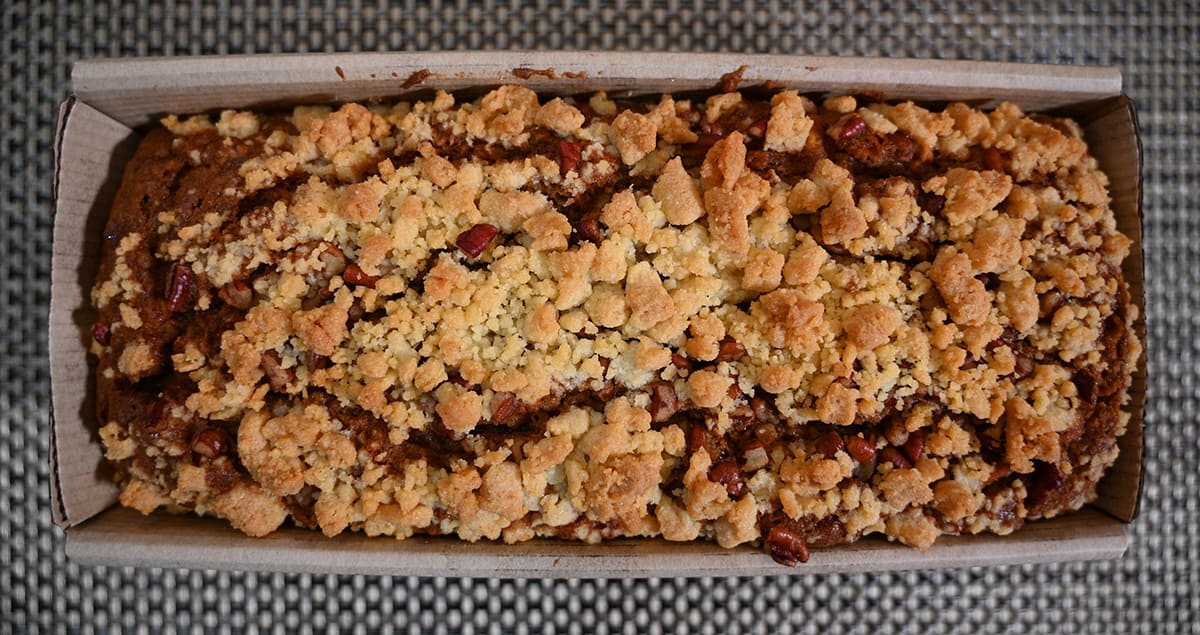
(742, 318)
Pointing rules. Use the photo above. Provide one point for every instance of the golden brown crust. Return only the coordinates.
(730, 319)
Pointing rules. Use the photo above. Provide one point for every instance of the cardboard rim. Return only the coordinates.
(121, 536)
(121, 87)
(58, 512)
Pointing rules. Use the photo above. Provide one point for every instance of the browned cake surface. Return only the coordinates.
(750, 319)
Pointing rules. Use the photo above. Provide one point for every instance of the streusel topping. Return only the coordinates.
(741, 319)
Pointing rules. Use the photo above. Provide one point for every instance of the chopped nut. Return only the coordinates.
(476, 239)
(183, 288)
(355, 275)
(786, 547)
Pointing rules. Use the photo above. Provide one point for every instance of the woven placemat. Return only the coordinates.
(1154, 588)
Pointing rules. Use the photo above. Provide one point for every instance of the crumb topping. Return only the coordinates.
(743, 320)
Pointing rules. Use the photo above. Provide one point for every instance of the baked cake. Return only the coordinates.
(745, 317)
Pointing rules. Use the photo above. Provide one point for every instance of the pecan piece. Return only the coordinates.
(504, 406)
(102, 333)
(763, 410)
(238, 294)
(333, 259)
(1024, 367)
(697, 436)
(476, 239)
(356, 276)
(767, 433)
(742, 415)
(569, 155)
(588, 229)
(356, 312)
(829, 444)
(211, 443)
(664, 403)
(313, 360)
(786, 546)
(1050, 302)
(895, 457)
(278, 377)
(728, 473)
(730, 350)
(932, 203)
(914, 446)
(860, 449)
(608, 391)
(680, 361)
(183, 289)
(853, 126)
(163, 429)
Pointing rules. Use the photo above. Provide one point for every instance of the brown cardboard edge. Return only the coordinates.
(1125, 502)
(122, 87)
(123, 537)
(90, 151)
(1141, 378)
(83, 536)
(58, 512)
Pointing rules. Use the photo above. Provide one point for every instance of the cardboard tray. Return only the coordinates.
(96, 135)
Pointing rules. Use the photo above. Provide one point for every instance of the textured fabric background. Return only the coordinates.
(1155, 588)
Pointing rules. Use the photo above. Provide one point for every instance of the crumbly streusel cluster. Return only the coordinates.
(742, 318)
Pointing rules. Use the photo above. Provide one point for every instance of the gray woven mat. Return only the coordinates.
(1155, 588)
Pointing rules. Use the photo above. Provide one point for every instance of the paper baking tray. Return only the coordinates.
(97, 133)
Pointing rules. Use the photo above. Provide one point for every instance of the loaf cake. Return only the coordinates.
(755, 317)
